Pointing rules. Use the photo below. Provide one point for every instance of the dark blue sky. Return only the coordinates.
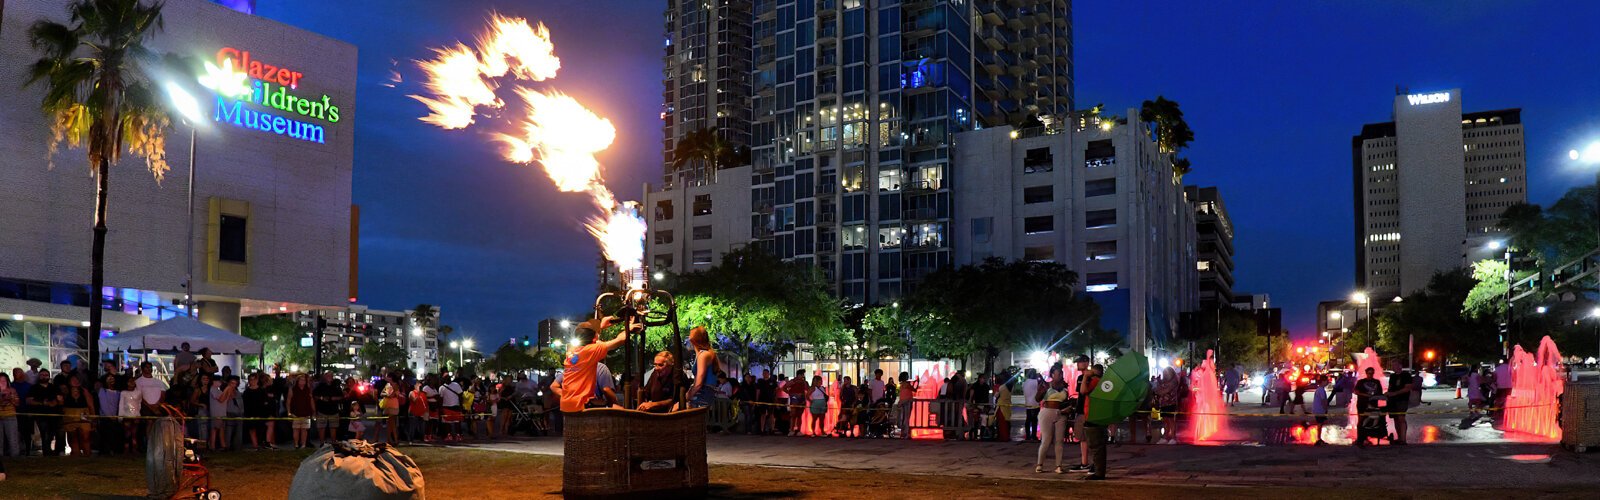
(1274, 90)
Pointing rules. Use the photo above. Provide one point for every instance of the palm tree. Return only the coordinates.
(98, 96)
(1172, 132)
(708, 146)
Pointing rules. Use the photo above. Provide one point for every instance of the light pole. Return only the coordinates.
(189, 108)
(1365, 301)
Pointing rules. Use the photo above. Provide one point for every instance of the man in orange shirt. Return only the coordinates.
(576, 386)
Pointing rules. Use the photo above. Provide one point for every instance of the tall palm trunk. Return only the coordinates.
(97, 265)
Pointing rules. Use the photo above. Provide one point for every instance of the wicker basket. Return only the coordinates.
(1580, 415)
(610, 452)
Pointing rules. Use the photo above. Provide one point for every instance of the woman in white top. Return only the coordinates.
(131, 403)
(819, 406)
(1052, 423)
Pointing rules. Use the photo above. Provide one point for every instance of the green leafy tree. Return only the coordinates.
(992, 306)
(280, 341)
(510, 358)
(753, 298)
(98, 95)
(1433, 317)
(1232, 334)
(1556, 235)
(1487, 299)
(379, 355)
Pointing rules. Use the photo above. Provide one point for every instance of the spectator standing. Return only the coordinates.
(845, 424)
(978, 405)
(1230, 385)
(1400, 388)
(1168, 399)
(1052, 419)
(767, 395)
(301, 408)
(1319, 407)
(328, 397)
(702, 392)
(21, 386)
(108, 396)
(451, 414)
(1002, 410)
(906, 402)
(818, 406)
(1031, 385)
(747, 408)
(797, 390)
(217, 408)
(876, 386)
(77, 409)
(392, 398)
(1077, 408)
(197, 405)
(183, 360)
(45, 400)
(257, 409)
(1094, 435)
(128, 409)
(205, 364)
(10, 444)
(417, 418)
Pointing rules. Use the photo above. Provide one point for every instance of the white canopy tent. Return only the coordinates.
(171, 333)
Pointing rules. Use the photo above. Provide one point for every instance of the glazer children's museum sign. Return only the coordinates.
(260, 95)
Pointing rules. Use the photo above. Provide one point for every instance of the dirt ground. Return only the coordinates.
(458, 473)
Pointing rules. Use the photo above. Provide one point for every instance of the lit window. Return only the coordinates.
(701, 257)
(1100, 282)
(1204, 265)
(1101, 250)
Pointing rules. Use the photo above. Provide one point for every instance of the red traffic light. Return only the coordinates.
(1428, 355)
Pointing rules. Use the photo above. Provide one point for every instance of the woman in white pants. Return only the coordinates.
(1052, 422)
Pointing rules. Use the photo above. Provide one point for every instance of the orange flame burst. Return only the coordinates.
(556, 130)
(460, 77)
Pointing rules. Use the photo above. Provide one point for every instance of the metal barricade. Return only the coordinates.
(724, 413)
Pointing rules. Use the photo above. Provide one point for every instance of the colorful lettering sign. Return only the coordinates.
(253, 97)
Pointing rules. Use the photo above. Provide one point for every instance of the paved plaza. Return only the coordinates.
(1270, 451)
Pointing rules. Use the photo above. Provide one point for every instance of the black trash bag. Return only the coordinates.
(355, 469)
(164, 457)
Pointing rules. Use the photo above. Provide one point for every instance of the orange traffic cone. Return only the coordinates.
(1458, 389)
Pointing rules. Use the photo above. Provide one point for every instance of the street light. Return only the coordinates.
(189, 108)
(566, 324)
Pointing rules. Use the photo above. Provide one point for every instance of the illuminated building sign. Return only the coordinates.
(1435, 97)
(262, 96)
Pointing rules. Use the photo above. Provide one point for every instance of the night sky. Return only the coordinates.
(1274, 90)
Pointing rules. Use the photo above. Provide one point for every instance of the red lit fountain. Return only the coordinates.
(1536, 382)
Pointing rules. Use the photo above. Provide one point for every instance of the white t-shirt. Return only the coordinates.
(1030, 390)
(876, 387)
(450, 395)
(151, 388)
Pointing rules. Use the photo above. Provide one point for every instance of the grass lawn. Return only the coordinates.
(460, 473)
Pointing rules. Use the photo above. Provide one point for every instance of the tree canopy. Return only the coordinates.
(280, 340)
(1172, 131)
(995, 305)
(754, 298)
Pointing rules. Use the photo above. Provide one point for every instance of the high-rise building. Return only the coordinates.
(856, 105)
(853, 109)
(1099, 197)
(1215, 246)
(1430, 187)
(705, 77)
(346, 330)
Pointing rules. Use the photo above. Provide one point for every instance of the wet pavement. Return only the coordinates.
(1269, 451)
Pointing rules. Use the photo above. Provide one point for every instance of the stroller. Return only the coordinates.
(196, 480)
(527, 417)
(878, 419)
(1372, 424)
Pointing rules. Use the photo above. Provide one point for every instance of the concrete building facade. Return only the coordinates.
(1429, 189)
(1100, 198)
(273, 219)
(1214, 229)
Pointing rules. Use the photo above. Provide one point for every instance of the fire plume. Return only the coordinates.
(554, 130)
